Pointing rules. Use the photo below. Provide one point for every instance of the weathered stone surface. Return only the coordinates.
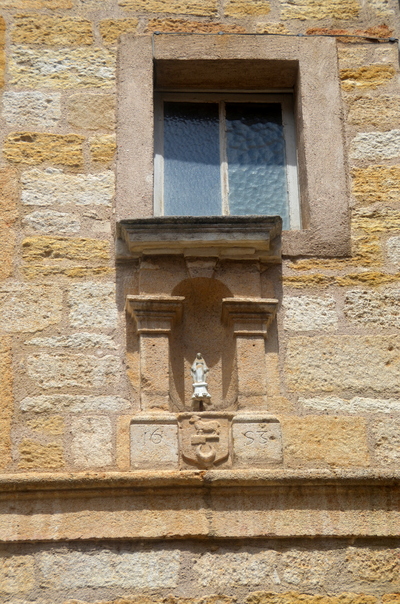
(16, 574)
(369, 307)
(52, 223)
(181, 25)
(111, 29)
(51, 186)
(38, 147)
(44, 303)
(58, 248)
(382, 112)
(50, 68)
(204, 8)
(334, 404)
(386, 434)
(91, 444)
(271, 28)
(367, 278)
(375, 219)
(376, 183)
(102, 147)
(7, 237)
(91, 111)
(260, 597)
(33, 455)
(376, 145)
(50, 403)
(5, 442)
(393, 249)
(330, 363)
(222, 569)
(76, 340)
(53, 425)
(31, 109)
(8, 195)
(256, 442)
(51, 30)
(93, 306)
(154, 443)
(374, 566)
(2, 53)
(320, 9)
(34, 4)
(383, 8)
(391, 599)
(81, 370)
(306, 313)
(41, 271)
(337, 441)
(6, 378)
(246, 8)
(349, 35)
(367, 76)
(103, 568)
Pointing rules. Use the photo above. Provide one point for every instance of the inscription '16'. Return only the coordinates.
(258, 437)
(153, 436)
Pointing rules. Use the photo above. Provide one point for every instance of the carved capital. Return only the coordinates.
(249, 316)
(155, 314)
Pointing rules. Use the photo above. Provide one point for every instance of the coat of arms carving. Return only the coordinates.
(204, 438)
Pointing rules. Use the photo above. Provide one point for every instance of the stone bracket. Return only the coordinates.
(249, 316)
(155, 314)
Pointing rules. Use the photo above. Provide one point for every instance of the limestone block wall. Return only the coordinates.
(69, 381)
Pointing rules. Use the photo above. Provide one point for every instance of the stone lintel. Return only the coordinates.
(154, 314)
(226, 237)
(249, 316)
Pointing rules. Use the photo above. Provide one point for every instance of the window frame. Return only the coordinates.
(284, 99)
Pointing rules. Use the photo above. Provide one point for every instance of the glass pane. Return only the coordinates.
(256, 160)
(192, 181)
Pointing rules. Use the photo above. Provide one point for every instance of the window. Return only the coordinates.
(226, 154)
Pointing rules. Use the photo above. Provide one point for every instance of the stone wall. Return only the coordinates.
(69, 382)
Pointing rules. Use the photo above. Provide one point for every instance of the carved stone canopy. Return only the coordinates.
(225, 237)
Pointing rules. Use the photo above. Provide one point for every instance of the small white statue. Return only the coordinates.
(199, 371)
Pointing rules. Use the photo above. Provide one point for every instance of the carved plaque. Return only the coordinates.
(204, 438)
(154, 442)
(257, 440)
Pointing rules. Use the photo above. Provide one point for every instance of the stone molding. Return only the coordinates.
(155, 314)
(249, 316)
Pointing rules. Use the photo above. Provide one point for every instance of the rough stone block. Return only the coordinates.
(154, 442)
(102, 147)
(257, 441)
(181, 25)
(111, 29)
(7, 238)
(80, 370)
(320, 9)
(5, 442)
(51, 186)
(383, 8)
(92, 305)
(376, 183)
(41, 271)
(246, 8)
(374, 566)
(337, 441)
(76, 340)
(357, 405)
(367, 76)
(51, 30)
(102, 568)
(345, 362)
(58, 248)
(38, 147)
(70, 403)
(91, 444)
(31, 109)
(52, 223)
(260, 597)
(271, 28)
(16, 574)
(91, 111)
(44, 303)
(376, 145)
(53, 425)
(8, 195)
(223, 569)
(50, 68)
(307, 313)
(203, 8)
(375, 219)
(34, 4)
(393, 249)
(386, 434)
(381, 112)
(6, 379)
(369, 307)
(33, 455)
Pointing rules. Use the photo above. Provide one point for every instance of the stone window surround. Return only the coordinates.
(309, 65)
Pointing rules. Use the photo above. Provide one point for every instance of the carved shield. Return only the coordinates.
(204, 438)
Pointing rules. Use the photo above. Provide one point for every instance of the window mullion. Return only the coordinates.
(224, 160)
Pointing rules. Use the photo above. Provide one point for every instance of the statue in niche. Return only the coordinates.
(199, 371)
